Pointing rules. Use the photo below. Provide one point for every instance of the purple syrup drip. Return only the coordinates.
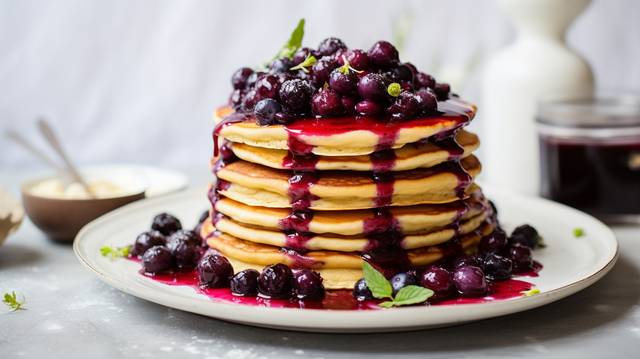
(300, 162)
(296, 228)
(299, 260)
(300, 195)
(226, 156)
(228, 120)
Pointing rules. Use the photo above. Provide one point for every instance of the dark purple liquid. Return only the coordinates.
(602, 179)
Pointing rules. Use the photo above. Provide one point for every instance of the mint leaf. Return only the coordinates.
(347, 67)
(11, 300)
(530, 292)
(114, 252)
(294, 43)
(578, 232)
(394, 89)
(308, 62)
(377, 283)
(412, 294)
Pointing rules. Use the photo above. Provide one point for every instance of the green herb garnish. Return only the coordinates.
(531, 292)
(394, 89)
(381, 289)
(11, 300)
(578, 232)
(308, 62)
(115, 252)
(293, 44)
(347, 67)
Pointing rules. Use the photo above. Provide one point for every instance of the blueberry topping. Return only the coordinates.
(276, 281)
(301, 55)
(329, 46)
(442, 91)
(307, 284)
(146, 240)
(166, 224)
(406, 105)
(368, 108)
(239, 78)
(281, 65)
(525, 235)
(326, 102)
(157, 259)
(245, 283)
(428, 101)
(521, 258)
(383, 54)
(470, 281)
(372, 87)
(425, 81)
(496, 242)
(214, 271)
(402, 280)
(463, 261)
(497, 267)
(296, 94)
(183, 236)
(358, 59)
(249, 101)
(401, 73)
(266, 111)
(267, 87)
(343, 83)
(361, 291)
(439, 281)
(321, 70)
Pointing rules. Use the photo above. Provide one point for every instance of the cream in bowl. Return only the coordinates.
(60, 209)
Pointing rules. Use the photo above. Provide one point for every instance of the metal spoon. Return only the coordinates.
(52, 139)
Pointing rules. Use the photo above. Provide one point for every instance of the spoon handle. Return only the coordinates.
(20, 140)
(53, 141)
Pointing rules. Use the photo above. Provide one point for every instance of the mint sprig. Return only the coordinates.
(347, 67)
(530, 292)
(293, 44)
(578, 232)
(381, 289)
(394, 89)
(308, 62)
(114, 252)
(12, 301)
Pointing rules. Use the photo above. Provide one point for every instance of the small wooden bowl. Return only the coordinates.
(61, 219)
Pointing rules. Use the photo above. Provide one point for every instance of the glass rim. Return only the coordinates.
(612, 111)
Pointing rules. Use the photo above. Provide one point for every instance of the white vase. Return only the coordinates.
(537, 65)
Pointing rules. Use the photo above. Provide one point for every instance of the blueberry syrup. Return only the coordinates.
(228, 120)
(300, 190)
(334, 299)
(300, 162)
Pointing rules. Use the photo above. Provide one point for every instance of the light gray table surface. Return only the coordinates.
(72, 314)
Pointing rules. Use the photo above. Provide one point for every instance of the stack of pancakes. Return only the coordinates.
(328, 194)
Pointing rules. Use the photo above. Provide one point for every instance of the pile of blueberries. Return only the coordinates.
(168, 247)
(337, 82)
(498, 258)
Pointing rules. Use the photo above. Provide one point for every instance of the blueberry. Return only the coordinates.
(239, 78)
(296, 94)
(402, 280)
(275, 281)
(521, 258)
(249, 100)
(439, 281)
(405, 106)
(466, 261)
(329, 46)
(189, 237)
(214, 271)
(166, 224)
(525, 235)
(442, 91)
(343, 83)
(326, 102)
(401, 73)
(470, 281)
(251, 80)
(424, 80)
(368, 108)
(349, 104)
(321, 70)
(301, 55)
(157, 259)
(307, 284)
(372, 87)
(235, 99)
(428, 101)
(267, 87)
(497, 267)
(361, 291)
(358, 59)
(266, 111)
(281, 65)
(383, 54)
(245, 283)
(186, 255)
(146, 240)
(496, 242)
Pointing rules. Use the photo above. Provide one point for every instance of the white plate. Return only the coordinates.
(570, 265)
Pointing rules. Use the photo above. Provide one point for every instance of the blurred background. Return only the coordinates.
(136, 80)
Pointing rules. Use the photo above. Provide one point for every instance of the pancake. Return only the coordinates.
(257, 185)
(407, 157)
(339, 270)
(346, 136)
(338, 243)
(411, 219)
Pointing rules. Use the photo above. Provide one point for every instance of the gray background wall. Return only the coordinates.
(136, 80)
